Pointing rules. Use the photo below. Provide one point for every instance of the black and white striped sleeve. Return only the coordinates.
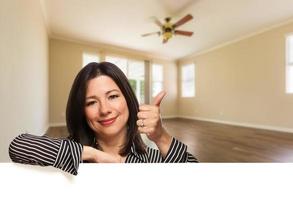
(177, 153)
(44, 151)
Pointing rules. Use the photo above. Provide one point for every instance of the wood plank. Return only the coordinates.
(214, 142)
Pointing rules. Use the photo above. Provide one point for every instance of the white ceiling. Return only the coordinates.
(121, 22)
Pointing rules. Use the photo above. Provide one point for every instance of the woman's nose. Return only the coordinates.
(105, 108)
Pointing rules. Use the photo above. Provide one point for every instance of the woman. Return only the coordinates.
(104, 120)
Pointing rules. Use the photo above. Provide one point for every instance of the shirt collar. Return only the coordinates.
(141, 156)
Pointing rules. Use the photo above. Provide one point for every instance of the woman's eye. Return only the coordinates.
(114, 96)
(90, 103)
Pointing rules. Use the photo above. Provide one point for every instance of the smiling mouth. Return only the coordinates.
(107, 122)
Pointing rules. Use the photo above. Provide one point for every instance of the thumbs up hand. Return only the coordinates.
(158, 99)
(149, 119)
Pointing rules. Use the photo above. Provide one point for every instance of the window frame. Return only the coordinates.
(161, 81)
(191, 81)
(125, 71)
(137, 80)
(93, 54)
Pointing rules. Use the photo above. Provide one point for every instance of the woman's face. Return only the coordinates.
(105, 107)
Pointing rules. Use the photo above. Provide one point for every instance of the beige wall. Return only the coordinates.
(23, 71)
(66, 61)
(243, 83)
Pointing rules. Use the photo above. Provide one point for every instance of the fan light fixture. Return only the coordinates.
(168, 29)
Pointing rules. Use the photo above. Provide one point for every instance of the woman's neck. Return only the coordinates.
(113, 144)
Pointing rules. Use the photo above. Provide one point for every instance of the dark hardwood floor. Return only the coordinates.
(213, 142)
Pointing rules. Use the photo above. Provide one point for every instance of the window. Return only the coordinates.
(157, 79)
(88, 58)
(289, 64)
(134, 70)
(136, 78)
(119, 62)
(187, 81)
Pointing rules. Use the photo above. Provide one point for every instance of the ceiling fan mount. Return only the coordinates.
(168, 29)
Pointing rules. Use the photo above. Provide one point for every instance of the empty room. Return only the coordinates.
(225, 69)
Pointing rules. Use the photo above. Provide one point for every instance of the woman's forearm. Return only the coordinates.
(164, 142)
(45, 151)
(88, 154)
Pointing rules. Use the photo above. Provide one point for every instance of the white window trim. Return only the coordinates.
(119, 57)
(138, 79)
(93, 54)
(192, 80)
(157, 81)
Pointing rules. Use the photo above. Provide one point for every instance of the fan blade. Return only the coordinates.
(157, 21)
(153, 33)
(185, 33)
(183, 20)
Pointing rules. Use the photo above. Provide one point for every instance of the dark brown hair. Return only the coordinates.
(77, 125)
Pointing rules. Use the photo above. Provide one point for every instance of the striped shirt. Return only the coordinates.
(66, 154)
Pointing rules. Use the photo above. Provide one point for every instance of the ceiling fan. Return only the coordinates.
(168, 29)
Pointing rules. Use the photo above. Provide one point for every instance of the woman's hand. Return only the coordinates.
(149, 122)
(94, 155)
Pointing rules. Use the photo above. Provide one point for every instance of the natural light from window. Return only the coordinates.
(187, 80)
(136, 78)
(89, 57)
(289, 64)
(157, 79)
(134, 70)
(119, 62)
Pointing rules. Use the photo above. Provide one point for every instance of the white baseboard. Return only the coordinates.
(249, 125)
(169, 117)
(57, 124)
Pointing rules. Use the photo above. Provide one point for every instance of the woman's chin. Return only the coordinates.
(111, 131)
